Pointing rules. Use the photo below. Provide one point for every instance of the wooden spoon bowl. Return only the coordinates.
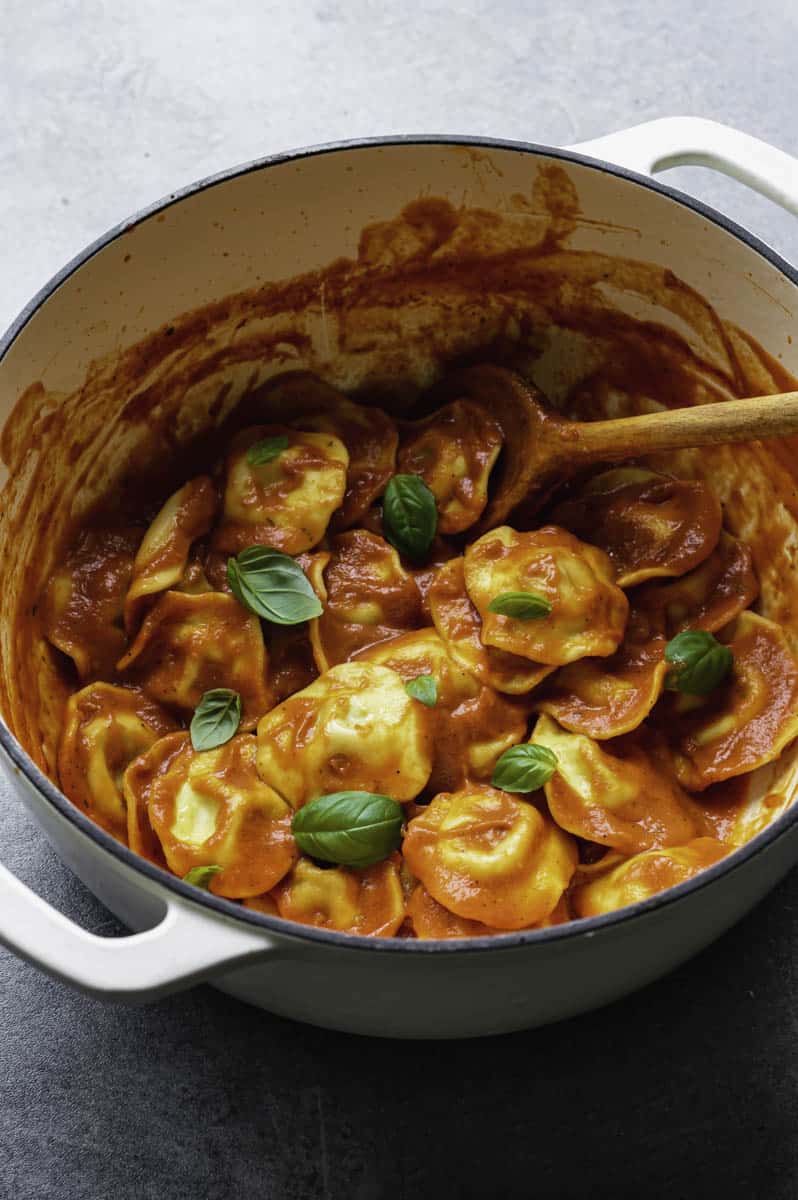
(543, 449)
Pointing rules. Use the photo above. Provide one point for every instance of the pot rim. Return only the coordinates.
(579, 927)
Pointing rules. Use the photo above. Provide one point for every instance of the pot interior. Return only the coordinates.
(379, 267)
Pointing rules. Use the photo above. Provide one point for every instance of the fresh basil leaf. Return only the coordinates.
(266, 449)
(273, 586)
(409, 515)
(353, 829)
(201, 876)
(423, 688)
(216, 719)
(522, 606)
(700, 662)
(524, 768)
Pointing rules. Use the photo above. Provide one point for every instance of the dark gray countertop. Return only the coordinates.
(688, 1089)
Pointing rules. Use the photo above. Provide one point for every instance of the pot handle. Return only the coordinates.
(183, 948)
(682, 141)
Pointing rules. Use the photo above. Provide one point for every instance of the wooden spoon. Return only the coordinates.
(542, 449)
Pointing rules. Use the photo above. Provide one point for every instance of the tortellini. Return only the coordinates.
(367, 594)
(431, 920)
(515, 405)
(649, 524)
(105, 728)
(619, 797)
(739, 817)
(369, 902)
(490, 857)
(304, 401)
(426, 677)
(458, 623)
(588, 612)
(356, 728)
(645, 875)
(212, 809)
(708, 597)
(84, 601)
(424, 653)
(607, 697)
(453, 451)
(287, 501)
(745, 722)
(162, 557)
(472, 724)
(188, 645)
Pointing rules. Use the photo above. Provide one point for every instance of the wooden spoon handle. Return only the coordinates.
(748, 420)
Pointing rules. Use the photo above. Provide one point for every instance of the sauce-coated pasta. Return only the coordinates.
(398, 718)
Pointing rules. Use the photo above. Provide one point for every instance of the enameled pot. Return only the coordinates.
(290, 217)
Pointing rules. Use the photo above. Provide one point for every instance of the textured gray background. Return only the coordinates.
(689, 1089)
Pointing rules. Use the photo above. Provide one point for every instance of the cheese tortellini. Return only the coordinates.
(356, 728)
(285, 501)
(458, 624)
(708, 597)
(649, 524)
(645, 875)
(84, 602)
(744, 723)
(369, 901)
(211, 809)
(430, 919)
(621, 799)
(487, 856)
(472, 724)
(367, 594)
(304, 401)
(162, 557)
(587, 611)
(497, 718)
(189, 645)
(607, 697)
(454, 451)
(105, 728)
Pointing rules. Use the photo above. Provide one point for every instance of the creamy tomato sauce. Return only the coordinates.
(150, 620)
(126, 618)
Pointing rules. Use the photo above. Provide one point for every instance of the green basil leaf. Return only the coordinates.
(216, 719)
(700, 662)
(201, 876)
(409, 515)
(273, 586)
(353, 829)
(266, 449)
(423, 688)
(524, 768)
(521, 606)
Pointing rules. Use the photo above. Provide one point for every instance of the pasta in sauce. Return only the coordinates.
(315, 683)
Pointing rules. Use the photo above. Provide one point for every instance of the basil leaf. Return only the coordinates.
(216, 719)
(423, 688)
(409, 515)
(524, 768)
(265, 450)
(201, 876)
(700, 662)
(353, 829)
(273, 586)
(522, 606)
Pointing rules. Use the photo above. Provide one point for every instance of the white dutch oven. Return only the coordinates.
(212, 240)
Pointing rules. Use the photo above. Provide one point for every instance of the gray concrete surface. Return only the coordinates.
(689, 1089)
